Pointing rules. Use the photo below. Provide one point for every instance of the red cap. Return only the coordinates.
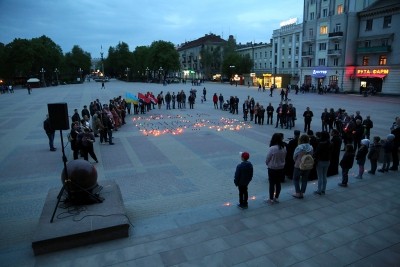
(245, 155)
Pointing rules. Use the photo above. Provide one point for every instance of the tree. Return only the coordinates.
(163, 55)
(119, 58)
(141, 63)
(211, 59)
(74, 61)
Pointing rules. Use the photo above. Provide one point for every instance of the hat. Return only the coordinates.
(390, 137)
(365, 142)
(245, 155)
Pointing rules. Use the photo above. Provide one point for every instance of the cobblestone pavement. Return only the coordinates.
(178, 187)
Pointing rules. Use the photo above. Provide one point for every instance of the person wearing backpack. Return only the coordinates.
(322, 156)
(303, 163)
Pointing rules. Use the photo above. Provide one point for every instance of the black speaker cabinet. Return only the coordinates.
(58, 115)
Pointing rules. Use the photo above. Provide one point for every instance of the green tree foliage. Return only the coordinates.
(163, 55)
(211, 60)
(74, 61)
(233, 63)
(119, 58)
(141, 58)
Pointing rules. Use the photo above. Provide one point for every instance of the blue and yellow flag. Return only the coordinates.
(131, 98)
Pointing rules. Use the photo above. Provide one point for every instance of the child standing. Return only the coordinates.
(346, 164)
(243, 176)
(387, 152)
(361, 156)
(373, 154)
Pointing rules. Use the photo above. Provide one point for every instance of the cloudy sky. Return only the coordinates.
(95, 24)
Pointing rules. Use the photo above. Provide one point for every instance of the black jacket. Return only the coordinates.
(243, 173)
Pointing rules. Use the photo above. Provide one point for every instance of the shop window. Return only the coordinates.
(365, 61)
(387, 21)
(382, 60)
(368, 25)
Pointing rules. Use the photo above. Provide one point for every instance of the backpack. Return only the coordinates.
(306, 162)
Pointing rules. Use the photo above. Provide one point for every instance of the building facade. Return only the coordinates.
(260, 54)
(286, 53)
(201, 58)
(377, 65)
(330, 32)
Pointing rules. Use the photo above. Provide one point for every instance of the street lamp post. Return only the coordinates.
(160, 70)
(127, 73)
(147, 74)
(80, 74)
(56, 71)
(42, 71)
(102, 62)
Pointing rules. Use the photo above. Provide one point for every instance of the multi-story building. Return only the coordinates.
(260, 54)
(286, 55)
(190, 57)
(377, 49)
(330, 31)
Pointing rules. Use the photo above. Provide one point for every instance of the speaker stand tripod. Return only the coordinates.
(68, 181)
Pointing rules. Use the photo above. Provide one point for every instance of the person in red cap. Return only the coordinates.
(243, 176)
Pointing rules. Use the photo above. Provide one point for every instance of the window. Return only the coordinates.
(290, 39)
(336, 61)
(260, 65)
(297, 37)
(255, 55)
(266, 55)
(265, 65)
(337, 46)
(255, 65)
(324, 12)
(312, 16)
(276, 48)
(367, 43)
(382, 60)
(310, 49)
(296, 64)
(338, 27)
(260, 54)
(283, 65)
(385, 42)
(289, 64)
(368, 25)
(283, 52)
(321, 62)
(339, 9)
(311, 32)
(309, 62)
(365, 61)
(387, 21)
(297, 51)
(290, 51)
(323, 30)
(283, 40)
(322, 46)
(270, 54)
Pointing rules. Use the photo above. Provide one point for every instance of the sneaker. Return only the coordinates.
(240, 206)
(342, 185)
(269, 201)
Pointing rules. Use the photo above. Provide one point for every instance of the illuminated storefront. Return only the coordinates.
(371, 78)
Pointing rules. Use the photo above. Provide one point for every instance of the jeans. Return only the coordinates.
(300, 175)
(243, 195)
(322, 171)
(51, 140)
(275, 177)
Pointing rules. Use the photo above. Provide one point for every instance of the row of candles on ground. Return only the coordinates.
(176, 127)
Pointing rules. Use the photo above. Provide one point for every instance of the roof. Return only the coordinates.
(380, 5)
(206, 39)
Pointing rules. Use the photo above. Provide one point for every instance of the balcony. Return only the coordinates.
(308, 39)
(307, 54)
(374, 49)
(335, 35)
(334, 52)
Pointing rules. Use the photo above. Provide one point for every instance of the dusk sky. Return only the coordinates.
(92, 24)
